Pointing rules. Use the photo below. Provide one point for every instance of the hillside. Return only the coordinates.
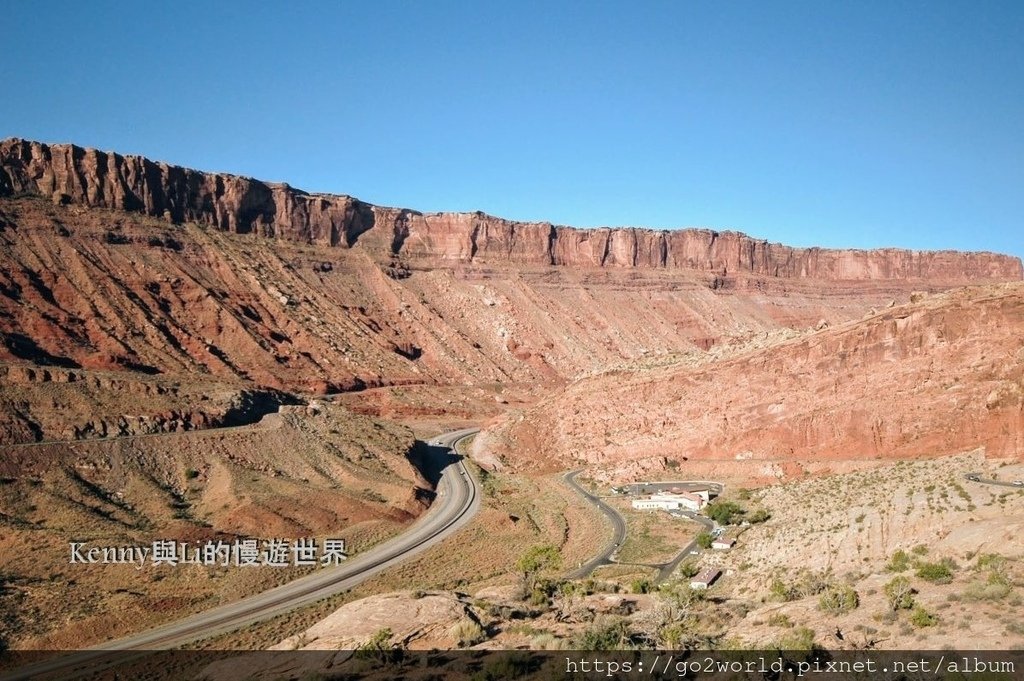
(160, 274)
(934, 377)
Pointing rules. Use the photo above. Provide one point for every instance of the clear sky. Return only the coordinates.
(859, 124)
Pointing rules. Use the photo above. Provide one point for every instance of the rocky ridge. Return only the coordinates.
(70, 174)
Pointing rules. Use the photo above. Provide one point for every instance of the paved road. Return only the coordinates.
(976, 477)
(457, 501)
(618, 529)
(665, 570)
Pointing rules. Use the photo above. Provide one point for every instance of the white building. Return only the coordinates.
(670, 501)
(705, 578)
(723, 543)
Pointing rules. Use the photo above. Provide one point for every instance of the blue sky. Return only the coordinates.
(859, 124)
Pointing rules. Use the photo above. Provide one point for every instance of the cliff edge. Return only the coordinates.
(70, 174)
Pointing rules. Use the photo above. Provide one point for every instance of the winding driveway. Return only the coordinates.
(665, 570)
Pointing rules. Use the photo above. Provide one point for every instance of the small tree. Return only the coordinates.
(704, 540)
(724, 512)
(900, 593)
(535, 561)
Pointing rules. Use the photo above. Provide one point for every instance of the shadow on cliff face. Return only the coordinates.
(249, 406)
(430, 460)
(23, 347)
(363, 220)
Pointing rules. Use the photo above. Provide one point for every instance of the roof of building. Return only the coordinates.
(707, 576)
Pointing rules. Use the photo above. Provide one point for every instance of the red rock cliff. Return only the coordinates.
(71, 174)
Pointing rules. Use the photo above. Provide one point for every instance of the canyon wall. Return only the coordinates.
(70, 174)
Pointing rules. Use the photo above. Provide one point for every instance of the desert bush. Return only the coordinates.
(641, 585)
(899, 593)
(602, 636)
(837, 599)
(547, 641)
(899, 562)
(994, 588)
(780, 591)
(759, 516)
(466, 633)
(922, 618)
(940, 572)
(534, 562)
(800, 638)
(688, 569)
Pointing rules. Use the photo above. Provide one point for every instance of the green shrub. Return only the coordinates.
(899, 593)
(922, 618)
(601, 637)
(724, 512)
(704, 540)
(780, 591)
(899, 562)
(939, 573)
(688, 568)
(641, 585)
(800, 638)
(837, 599)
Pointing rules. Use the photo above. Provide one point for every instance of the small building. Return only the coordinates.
(692, 501)
(723, 543)
(703, 492)
(705, 579)
(656, 502)
(669, 501)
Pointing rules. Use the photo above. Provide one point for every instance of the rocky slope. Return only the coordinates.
(119, 265)
(938, 376)
(71, 174)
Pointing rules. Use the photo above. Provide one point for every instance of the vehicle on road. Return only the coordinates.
(973, 477)
(1019, 483)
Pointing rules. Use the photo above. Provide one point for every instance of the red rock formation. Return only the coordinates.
(931, 378)
(67, 173)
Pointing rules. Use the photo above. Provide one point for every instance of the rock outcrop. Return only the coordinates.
(70, 174)
(932, 378)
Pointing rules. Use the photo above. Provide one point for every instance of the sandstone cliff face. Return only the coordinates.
(939, 376)
(71, 174)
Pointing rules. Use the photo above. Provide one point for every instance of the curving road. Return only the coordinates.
(457, 501)
(665, 570)
(618, 529)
